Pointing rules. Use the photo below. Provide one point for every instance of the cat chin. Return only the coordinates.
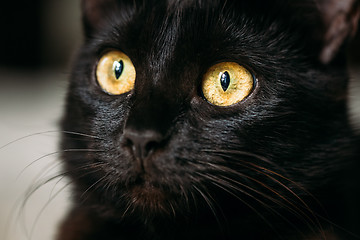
(150, 201)
(148, 196)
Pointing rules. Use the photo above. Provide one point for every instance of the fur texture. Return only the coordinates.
(281, 164)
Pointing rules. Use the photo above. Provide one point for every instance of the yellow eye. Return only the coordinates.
(227, 83)
(115, 73)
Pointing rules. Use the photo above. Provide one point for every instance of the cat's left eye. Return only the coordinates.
(227, 83)
(115, 73)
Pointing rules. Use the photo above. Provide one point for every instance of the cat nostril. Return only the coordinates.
(150, 146)
(142, 143)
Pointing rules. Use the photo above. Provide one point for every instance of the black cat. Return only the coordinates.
(212, 120)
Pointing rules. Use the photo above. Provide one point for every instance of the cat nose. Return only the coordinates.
(142, 143)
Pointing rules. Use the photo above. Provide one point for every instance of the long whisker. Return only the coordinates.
(172, 209)
(354, 235)
(37, 184)
(28, 194)
(48, 180)
(55, 185)
(241, 153)
(49, 168)
(47, 132)
(183, 193)
(292, 208)
(248, 205)
(245, 163)
(55, 153)
(91, 165)
(93, 185)
(287, 179)
(236, 152)
(44, 207)
(209, 203)
(111, 186)
(223, 184)
(129, 205)
(33, 162)
(283, 198)
(306, 206)
(256, 168)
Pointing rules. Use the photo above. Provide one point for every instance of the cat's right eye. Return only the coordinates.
(227, 83)
(115, 73)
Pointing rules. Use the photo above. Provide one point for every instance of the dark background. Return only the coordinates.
(37, 34)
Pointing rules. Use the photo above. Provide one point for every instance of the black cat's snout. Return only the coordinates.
(142, 143)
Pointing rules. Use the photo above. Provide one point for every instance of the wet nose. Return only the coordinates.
(142, 143)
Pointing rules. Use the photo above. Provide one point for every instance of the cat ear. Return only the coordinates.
(341, 18)
(94, 12)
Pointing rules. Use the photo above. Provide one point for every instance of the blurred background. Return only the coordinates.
(38, 40)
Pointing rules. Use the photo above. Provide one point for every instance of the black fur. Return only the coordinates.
(274, 166)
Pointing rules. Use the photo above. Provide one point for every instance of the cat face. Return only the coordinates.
(151, 89)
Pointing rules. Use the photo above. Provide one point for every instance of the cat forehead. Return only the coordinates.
(178, 4)
(255, 3)
(97, 12)
(300, 12)
(269, 6)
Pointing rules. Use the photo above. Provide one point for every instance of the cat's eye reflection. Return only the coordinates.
(118, 68)
(115, 73)
(227, 83)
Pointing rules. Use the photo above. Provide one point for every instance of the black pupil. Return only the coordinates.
(225, 81)
(118, 69)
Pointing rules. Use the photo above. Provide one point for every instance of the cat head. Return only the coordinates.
(152, 95)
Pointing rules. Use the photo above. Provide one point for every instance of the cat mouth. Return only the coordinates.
(150, 195)
(147, 192)
(149, 198)
(145, 186)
